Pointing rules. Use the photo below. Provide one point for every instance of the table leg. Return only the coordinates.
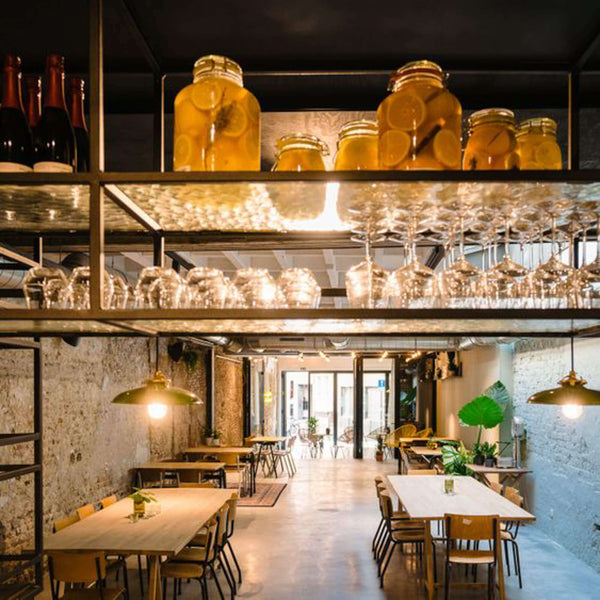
(154, 588)
(273, 460)
(430, 582)
(223, 478)
(500, 564)
(260, 447)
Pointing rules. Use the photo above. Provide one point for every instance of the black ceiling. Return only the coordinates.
(321, 35)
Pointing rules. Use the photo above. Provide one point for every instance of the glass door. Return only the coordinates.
(296, 401)
(322, 401)
(345, 407)
(378, 418)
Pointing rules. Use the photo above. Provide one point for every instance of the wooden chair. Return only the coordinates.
(398, 532)
(231, 514)
(234, 465)
(202, 484)
(85, 511)
(461, 528)
(82, 569)
(108, 501)
(392, 439)
(424, 433)
(285, 458)
(181, 567)
(149, 478)
(422, 472)
(66, 522)
(509, 532)
(497, 487)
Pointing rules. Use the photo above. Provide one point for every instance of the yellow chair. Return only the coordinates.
(82, 569)
(392, 439)
(460, 528)
(497, 487)
(85, 511)
(424, 433)
(108, 501)
(66, 522)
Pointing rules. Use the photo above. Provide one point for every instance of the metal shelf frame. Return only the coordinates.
(31, 559)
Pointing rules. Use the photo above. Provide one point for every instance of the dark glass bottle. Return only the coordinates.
(56, 150)
(33, 106)
(16, 146)
(76, 96)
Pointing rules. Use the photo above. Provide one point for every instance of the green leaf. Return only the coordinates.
(407, 398)
(498, 392)
(481, 412)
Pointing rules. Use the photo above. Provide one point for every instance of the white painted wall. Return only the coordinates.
(481, 367)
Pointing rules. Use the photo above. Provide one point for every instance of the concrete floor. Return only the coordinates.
(315, 544)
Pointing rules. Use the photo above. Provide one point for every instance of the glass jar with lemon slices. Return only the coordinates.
(357, 146)
(217, 121)
(300, 152)
(492, 144)
(537, 145)
(420, 122)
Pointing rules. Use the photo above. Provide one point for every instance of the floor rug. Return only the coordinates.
(266, 494)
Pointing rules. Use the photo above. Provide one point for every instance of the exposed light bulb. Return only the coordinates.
(301, 357)
(572, 411)
(323, 355)
(383, 356)
(156, 410)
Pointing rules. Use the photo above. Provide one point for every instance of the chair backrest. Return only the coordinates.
(85, 511)
(189, 476)
(204, 484)
(497, 487)
(231, 513)
(379, 478)
(150, 478)
(386, 504)
(393, 438)
(471, 527)
(248, 442)
(222, 524)
(291, 442)
(512, 494)
(63, 523)
(422, 472)
(424, 433)
(108, 500)
(77, 567)
(229, 458)
(211, 539)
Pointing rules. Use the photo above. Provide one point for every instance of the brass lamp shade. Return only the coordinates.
(157, 391)
(571, 391)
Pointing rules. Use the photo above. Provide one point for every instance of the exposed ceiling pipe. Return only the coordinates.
(476, 342)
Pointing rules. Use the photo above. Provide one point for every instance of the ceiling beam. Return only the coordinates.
(238, 262)
(285, 261)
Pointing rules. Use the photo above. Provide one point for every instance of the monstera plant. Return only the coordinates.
(485, 412)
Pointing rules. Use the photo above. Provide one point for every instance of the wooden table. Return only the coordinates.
(270, 441)
(429, 454)
(205, 467)
(239, 450)
(512, 474)
(424, 498)
(183, 512)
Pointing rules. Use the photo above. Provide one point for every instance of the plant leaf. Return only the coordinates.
(483, 411)
(407, 398)
(498, 392)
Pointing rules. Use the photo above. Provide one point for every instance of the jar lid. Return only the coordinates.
(219, 66)
(418, 69)
(491, 115)
(546, 124)
(303, 141)
(358, 127)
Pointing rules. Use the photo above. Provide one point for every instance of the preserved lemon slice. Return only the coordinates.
(183, 95)
(206, 95)
(476, 161)
(547, 154)
(190, 120)
(394, 146)
(232, 120)
(406, 111)
(499, 141)
(439, 105)
(446, 147)
(183, 150)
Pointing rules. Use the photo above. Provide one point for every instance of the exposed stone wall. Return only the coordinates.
(564, 488)
(90, 445)
(228, 400)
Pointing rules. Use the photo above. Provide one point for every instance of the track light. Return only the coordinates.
(383, 356)
(323, 355)
(301, 356)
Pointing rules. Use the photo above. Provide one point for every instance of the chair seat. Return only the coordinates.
(471, 557)
(197, 554)
(409, 535)
(178, 570)
(93, 594)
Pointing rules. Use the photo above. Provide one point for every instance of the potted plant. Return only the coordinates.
(140, 499)
(379, 451)
(489, 453)
(212, 437)
(484, 412)
(455, 459)
(312, 424)
(216, 435)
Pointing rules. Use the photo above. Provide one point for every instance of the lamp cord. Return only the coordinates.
(572, 353)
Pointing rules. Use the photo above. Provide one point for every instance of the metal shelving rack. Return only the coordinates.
(106, 193)
(28, 559)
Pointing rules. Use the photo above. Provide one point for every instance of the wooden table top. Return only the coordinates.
(425, 451)
(182, 466)
(268, 439)
(498, 470)
(219, 450)
(424, 498)
(183, 512)
(435, 438)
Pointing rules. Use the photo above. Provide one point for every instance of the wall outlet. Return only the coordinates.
(552, 513)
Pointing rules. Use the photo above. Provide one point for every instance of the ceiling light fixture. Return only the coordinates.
(571, 393)
(301, 356)
(323, 355)
(383, 356)
(156, 394)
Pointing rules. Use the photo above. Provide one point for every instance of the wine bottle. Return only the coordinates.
(76, 96)
(16, 146)
(56, 150)
(33, 106)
